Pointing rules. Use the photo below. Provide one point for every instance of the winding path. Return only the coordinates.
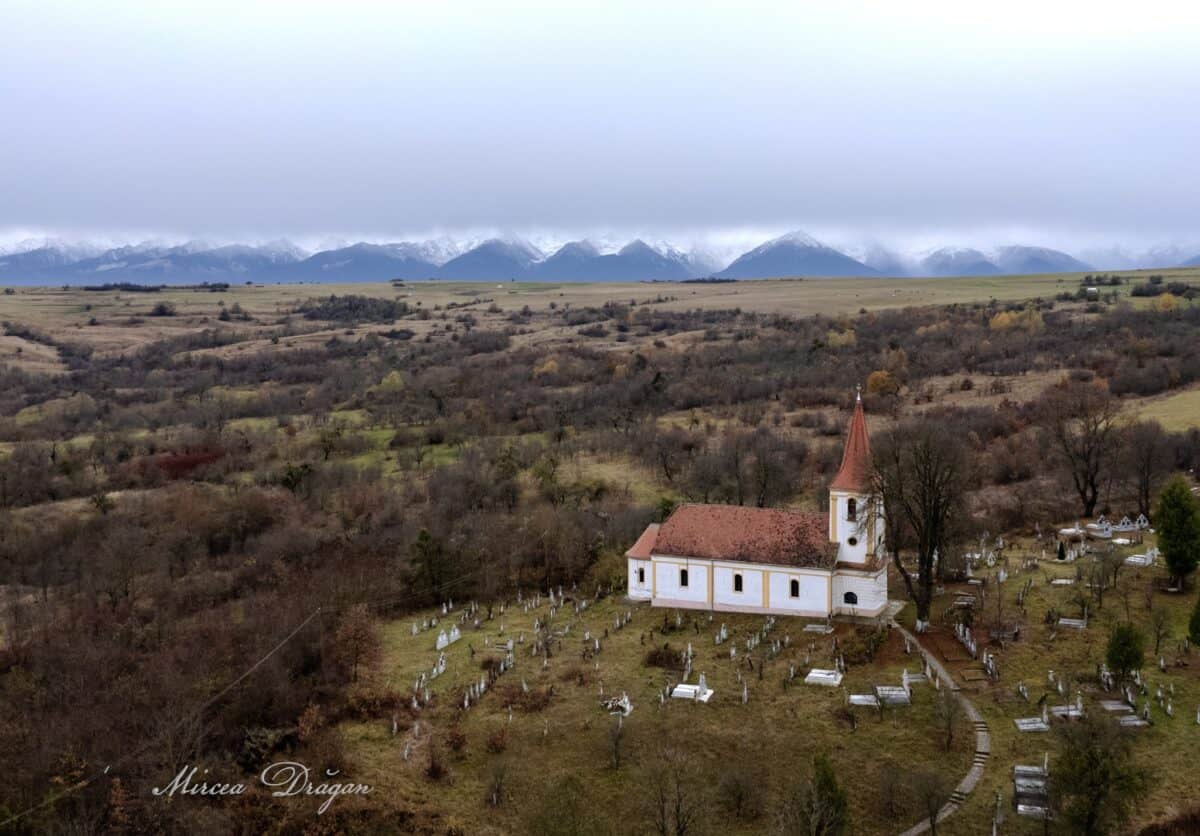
(983, 740)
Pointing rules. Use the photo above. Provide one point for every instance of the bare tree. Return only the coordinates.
(738, 791)
(675, 804)
(931, 788)
(357, 639)
(1083, 421)
(734, 453)
(1125, 588)
(1146, 459)
(495, 792)
(1160, 627)
(891, 788)
(918, 479)
(947, 716)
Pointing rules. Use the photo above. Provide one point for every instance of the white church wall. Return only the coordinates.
(813, 599)
(724, 594)
(813, 587)
(669, 591)
(640, 581)
(871, 591)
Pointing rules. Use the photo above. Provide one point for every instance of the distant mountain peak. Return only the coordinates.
(794, 254)
(517, 246)
(576, 249)
(1020, 259)
(957, 261)
(52, 260)
(638, 247)
(798, 237)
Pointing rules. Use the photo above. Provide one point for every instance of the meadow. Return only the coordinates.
(116, 321)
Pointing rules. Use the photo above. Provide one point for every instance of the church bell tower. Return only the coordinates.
(853, 524)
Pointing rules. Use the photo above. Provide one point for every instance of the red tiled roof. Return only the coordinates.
(854, 474)
(755, 535)
(645, 544)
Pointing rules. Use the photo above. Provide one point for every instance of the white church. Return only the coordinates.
(729, 558)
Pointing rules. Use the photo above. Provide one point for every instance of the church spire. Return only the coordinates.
(856, 457)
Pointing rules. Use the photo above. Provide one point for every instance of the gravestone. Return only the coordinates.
(827, 678)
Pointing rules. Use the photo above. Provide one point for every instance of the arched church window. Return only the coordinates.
(852, 509)
(795, 590)
(683, 577)
(737, 583)
(850, 598)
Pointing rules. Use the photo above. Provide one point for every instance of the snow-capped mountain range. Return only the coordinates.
(500, 259)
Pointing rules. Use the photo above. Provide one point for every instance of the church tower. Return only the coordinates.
(854, 525)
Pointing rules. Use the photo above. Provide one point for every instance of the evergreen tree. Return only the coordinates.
(1177, 521)
(818, 807)
(427, 560)
(1126, 650)
(1095, 783)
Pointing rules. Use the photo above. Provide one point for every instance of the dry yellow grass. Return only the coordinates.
(1178, 411)
(117, 322)
(772, 739)
(30, 356)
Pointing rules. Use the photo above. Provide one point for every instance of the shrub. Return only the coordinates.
(882, 382)
(531, 701)
(497, 741)
(436, 770)
(861, 645)
(738, 793)
(665, 657)
(456, 740)
(484, 342)
(352, 308)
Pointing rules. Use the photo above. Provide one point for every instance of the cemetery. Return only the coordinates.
(580, 678)
(588, 683)
(1056, 672)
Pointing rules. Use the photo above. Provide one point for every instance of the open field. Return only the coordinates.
(113, 322)
(1177, 411)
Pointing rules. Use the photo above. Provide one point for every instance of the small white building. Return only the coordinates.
(730, 558)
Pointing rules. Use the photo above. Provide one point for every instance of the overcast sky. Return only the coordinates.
(261, 119)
